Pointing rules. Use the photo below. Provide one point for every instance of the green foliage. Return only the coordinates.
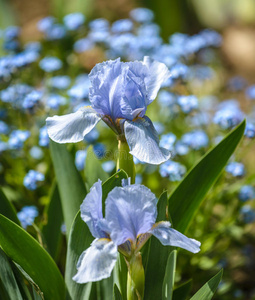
(51, 231)
(7, 209)
(208, 290)
(93, 169)
(71, 187)
(33, 259)
(182, 291)
(187, 197)
(168, 283)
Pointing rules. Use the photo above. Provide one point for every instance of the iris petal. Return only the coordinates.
(72, 128)
(130, 210)
(143, 141)
(97, 262)
(171, 237)
(91, 210)
(158, 74)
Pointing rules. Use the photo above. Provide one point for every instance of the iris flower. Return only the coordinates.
(130, 215)
(119, 95)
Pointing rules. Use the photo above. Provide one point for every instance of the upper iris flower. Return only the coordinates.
(119, 95)
(130, 215)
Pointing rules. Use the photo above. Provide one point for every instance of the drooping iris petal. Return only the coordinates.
(108, 82)
(171, 237)
(142, 139)
(73, 127)
(158, 73)
(130, 210)
(91, 210)
(97, 262)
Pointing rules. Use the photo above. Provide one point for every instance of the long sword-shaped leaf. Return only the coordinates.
(208, 290)
(187, 197)
(168, 283)
(7, 209)
(70, 184)
(34, 260)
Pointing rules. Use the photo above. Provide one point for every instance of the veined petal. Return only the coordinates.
(158, 73)
(130, 210)
(97, 262)
(73, 127)
(142, 139)
(171, 237)
(91, 210)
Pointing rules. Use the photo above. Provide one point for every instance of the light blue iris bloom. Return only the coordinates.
(130, 215)
(119, 95)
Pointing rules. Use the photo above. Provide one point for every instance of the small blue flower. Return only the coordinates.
(54, 101)
(187, 103)
(99, 150)
(119, 95)
(17, 138)
(196, 139)
(27, 215)
(247, 192)
(4, 128)
(44, 139)
(100, 24)
(36, 152)
(56, 32)
(32, 99)
(249, 130)
(108, 166)
(60, 82)
(74, 21)
(121, 26)
(92, 136)
(32, 178)
(83, 45)
(45, 24)
(247, 214)
(130, 215)
(80, 157)
(250, 92)
(173, 170)
(142, 15)
(235, 169)
(50, 64)
(167, 141)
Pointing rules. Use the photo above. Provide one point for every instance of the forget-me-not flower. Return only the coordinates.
(119, 95)
(27, 215)
(130, 216)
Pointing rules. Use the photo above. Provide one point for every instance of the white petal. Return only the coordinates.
(97, 262)
(142, 139)
(73, 127)
(171, 237)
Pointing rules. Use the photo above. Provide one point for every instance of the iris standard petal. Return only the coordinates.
(97, 261)
(158, 73)
(73, 127)
(130, 210)
(171, 237)
(91, 210)
(142, 139)
(106, 92)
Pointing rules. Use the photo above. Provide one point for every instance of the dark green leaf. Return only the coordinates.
(117, 294)
(80, 240)
(168, 283)
(182, 291)
(70, 184)
(208, 290)
(93, 169)
(7, 209)
(8, 282)
(52, 230)
(189, 194)
(34, 260)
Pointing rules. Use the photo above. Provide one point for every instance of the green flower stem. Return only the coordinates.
(136, 279)
(125, 159)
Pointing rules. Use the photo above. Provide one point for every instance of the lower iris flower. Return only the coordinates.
(119, 95)
(130, 216)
